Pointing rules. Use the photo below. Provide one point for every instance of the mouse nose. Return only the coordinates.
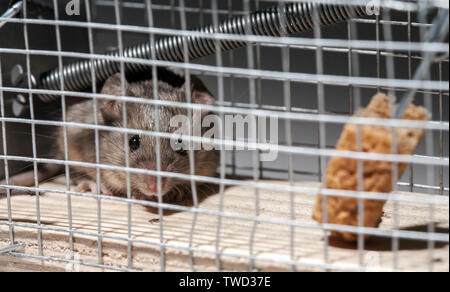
(151, 181)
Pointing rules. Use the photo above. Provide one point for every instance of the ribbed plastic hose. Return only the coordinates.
(287, 18)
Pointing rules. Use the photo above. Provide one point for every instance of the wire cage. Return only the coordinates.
(298, 71)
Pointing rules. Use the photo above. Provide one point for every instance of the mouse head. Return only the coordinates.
(142, 148)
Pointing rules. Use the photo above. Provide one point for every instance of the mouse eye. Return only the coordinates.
(134, 143)
(179, 147)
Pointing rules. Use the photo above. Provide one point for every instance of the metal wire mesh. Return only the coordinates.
(312, 82)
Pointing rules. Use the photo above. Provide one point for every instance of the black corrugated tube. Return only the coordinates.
(285, 18)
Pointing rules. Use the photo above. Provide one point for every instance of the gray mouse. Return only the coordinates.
(142, 148)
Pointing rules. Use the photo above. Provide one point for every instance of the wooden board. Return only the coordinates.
(271, 244)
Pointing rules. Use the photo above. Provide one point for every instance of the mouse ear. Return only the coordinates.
(200, 94)
(112, 109)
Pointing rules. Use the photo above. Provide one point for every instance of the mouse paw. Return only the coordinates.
(90, 186)
(86, 186)
(105, 190)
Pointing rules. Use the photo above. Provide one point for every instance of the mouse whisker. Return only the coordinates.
(52, 137)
